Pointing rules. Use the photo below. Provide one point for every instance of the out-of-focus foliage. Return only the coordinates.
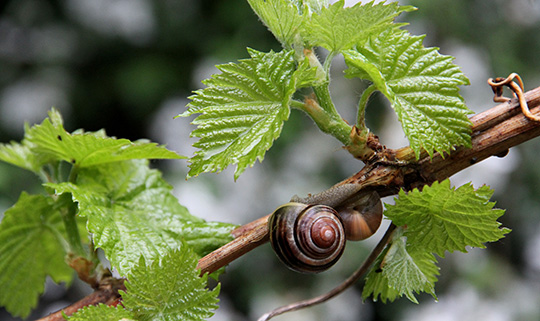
(505, 31)
(113, 64)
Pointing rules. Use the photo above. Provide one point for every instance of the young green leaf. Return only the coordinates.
(51, 140)
(165, 288)
(312, 5)
(422, 86)
(31, 247)
(337, 28)
(242, 111)
(436, 220)
(21, 155)
(441, 218)
(306, 75)
(405, 270)
(282, 17)
(131, 212)
(409, 270)
(102, 312)
(376, 285)
(170, 288)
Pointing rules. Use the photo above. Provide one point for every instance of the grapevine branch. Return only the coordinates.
(107, 293)
(493, 133)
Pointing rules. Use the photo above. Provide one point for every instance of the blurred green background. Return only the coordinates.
(129, 65)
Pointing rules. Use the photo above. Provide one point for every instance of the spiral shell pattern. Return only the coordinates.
(307, 238)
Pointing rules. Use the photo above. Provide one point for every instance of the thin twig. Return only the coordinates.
(107, 294)
(341, 287)
(247, 237)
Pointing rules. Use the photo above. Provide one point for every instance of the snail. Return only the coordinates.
(307, 238)
(311, 238)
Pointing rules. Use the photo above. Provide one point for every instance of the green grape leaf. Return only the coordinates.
(131, 212)
(306, 75)
(282, 18)
(166, 288)
(31, 247)
(21, 155)
(436, 220)
(170, 288)
(242, 111)
(441, 218)
(409, 270)
(312, 5)
(422, 86)
(337, 28)
(84, 149)
(405, 270)
(102, 312)
(376, 284)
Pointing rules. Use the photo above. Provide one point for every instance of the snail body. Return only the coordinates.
(311, 238)
(363, 218)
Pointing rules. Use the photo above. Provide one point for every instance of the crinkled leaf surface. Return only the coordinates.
(102, 312)
(131, 212)
(242, 111)
(170, 288)
(31, 233)
(282, 17)
(441, 218)
(435, 220)
(21, 155)
(49, 142)
(166, 288)
(312, 5)
(422, 86)
(405, 271)
(339, 28)
(306, 75)
(376, 285)
(87, 149)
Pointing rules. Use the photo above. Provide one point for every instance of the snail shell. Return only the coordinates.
(363, 218)
(307, 238)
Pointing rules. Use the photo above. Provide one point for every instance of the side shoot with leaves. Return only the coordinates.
(242, 110)
(99, 192)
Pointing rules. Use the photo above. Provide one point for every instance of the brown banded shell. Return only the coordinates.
(307, 238)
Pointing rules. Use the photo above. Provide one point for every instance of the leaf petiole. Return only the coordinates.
(328, 63)
(298, 105)
(325, 115)
(59, 237)
(73, 173)
(332, 124)
(362, 104)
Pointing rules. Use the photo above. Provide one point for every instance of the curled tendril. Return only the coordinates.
(517, 88)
